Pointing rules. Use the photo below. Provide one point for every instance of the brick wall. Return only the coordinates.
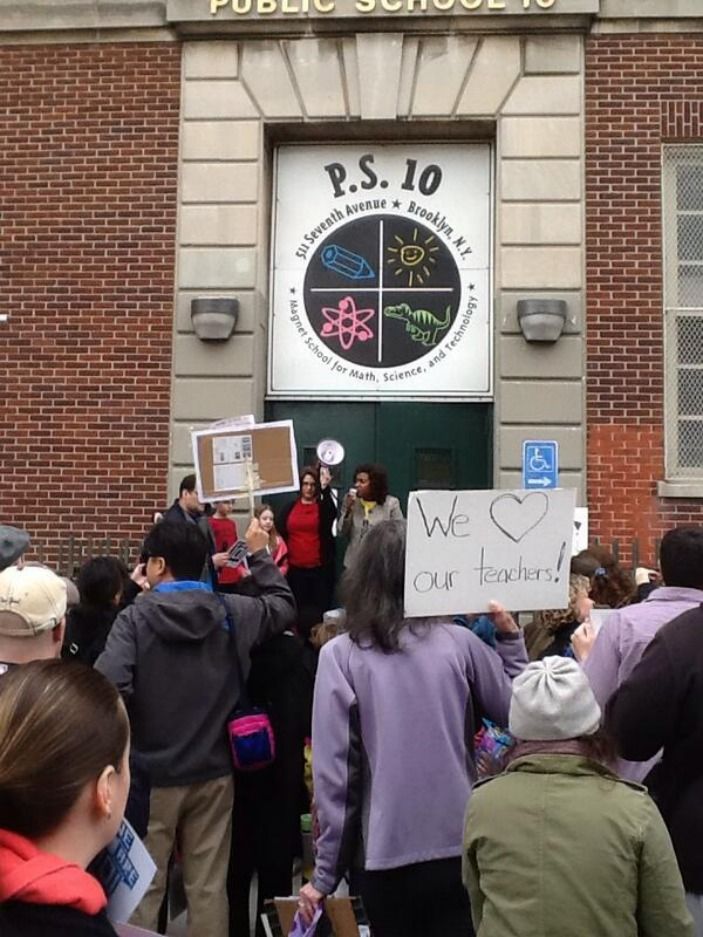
(88, 179)
(640, 91)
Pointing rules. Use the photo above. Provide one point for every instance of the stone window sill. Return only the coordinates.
(681, 488)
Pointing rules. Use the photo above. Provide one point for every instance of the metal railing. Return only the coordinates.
(72, 552)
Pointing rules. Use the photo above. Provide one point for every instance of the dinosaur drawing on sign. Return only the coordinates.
(424, 326)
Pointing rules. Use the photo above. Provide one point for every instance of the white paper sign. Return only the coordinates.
(381, 272)
(465, 548)
(580, 530)
(125, 871)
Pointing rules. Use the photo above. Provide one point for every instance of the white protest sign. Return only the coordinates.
(465, 548)
(125, 870)
(580, 530)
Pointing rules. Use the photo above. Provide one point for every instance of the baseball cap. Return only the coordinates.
(32, 600)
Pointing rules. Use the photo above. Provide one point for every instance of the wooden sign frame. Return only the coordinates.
(235, 461)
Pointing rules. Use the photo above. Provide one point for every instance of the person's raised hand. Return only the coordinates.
(256, 537)
(325, 477)
(583, 639)
(138, 575)
(502, 619)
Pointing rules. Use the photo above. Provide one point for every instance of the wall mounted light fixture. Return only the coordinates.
(214, 318)
(541, 320)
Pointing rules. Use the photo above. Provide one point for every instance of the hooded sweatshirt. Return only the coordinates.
(43, 894)
(173, 658)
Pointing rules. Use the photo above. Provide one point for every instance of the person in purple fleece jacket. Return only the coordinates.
(393, 723)
(609, 656)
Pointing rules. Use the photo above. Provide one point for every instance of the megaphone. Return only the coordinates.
(330, 452)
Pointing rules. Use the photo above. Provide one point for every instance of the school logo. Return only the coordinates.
(382, 291)
(381, 272)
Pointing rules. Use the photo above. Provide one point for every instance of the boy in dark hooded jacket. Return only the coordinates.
(172, 656)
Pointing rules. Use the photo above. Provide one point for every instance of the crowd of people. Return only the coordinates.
(116, 700)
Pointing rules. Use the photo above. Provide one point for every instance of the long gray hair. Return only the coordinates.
(372, 588)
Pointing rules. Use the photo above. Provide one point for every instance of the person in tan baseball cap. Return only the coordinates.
(32, 613)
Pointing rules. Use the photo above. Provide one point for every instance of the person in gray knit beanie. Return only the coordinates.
(552, 699)
(558, 843)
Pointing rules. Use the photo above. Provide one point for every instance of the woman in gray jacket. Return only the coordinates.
(366, 504)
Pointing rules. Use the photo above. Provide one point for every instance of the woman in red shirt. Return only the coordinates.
(306, 526)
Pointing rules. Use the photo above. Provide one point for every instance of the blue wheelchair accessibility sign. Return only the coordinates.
(540, 463)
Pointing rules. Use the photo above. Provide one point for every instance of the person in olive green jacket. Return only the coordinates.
(558, 844)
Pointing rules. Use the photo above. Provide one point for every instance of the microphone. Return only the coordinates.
(353, 491)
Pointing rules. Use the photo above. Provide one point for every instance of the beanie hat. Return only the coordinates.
(552, 699)
(13, 543)
(32, 600)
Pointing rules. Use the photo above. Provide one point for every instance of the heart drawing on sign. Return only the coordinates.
(516, 516)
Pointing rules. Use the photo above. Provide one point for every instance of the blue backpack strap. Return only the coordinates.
(229, 626)
(229, 622)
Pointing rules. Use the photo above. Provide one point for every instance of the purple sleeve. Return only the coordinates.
(336, 756)
(602, 664)
(493, 672)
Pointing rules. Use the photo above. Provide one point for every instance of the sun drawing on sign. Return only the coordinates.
(413, 258)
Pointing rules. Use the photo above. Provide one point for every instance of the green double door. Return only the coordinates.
(422, 445)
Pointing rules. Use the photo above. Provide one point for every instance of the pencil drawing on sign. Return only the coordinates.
(516, 516)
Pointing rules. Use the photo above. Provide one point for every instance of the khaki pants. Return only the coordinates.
(200, 815)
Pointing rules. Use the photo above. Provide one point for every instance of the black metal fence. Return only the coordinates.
(629, 552)
(74, 551)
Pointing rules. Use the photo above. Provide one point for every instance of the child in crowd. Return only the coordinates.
(550, 632)
(225, 535)
(277, 546)
(581, 851)
(611, 585)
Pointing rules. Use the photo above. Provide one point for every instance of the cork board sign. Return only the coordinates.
(232, 461)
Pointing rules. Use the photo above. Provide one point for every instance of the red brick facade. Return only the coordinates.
(87, 242)
(88, 200)
(641, 91)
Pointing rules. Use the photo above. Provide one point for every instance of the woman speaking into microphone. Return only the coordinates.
(365, 505)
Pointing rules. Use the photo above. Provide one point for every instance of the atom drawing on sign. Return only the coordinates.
(347, 323)
(413, 258)
(422, 325)
(346, 263)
